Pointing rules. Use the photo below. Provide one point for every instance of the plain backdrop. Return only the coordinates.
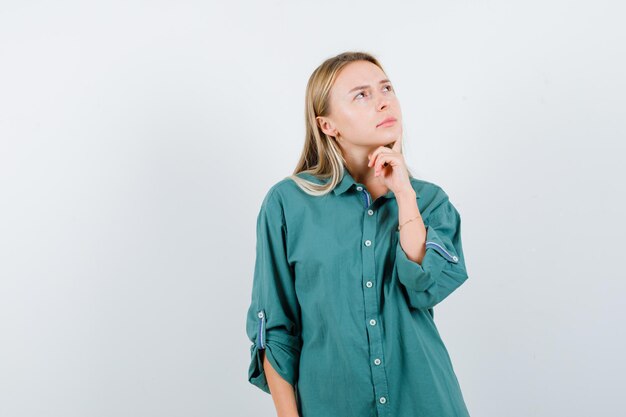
(138, 138)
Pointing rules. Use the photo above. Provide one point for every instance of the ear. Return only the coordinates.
(326, 126)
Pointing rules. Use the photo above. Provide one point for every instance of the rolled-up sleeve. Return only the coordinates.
(443, 266)
(273, 319)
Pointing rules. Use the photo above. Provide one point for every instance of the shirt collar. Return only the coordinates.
(346, 182)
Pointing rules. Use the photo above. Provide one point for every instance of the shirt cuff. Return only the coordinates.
(282, 351)
(420, 277)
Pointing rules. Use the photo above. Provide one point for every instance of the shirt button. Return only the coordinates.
(376, 361)
(368, 243)
(382, 400)
(368, 284)
(370, 212)
(359, 188)
(373, 322)
(260, 315)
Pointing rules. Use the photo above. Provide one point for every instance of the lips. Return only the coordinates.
(387, 120)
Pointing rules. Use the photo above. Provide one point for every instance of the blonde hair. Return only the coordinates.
(321, 155)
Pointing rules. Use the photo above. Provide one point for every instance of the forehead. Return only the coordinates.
(358, 73)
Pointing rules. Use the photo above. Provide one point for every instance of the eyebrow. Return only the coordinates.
(360, 87)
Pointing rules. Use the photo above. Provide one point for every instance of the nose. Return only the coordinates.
(383, 103)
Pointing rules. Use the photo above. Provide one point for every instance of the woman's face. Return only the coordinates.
(360, 99)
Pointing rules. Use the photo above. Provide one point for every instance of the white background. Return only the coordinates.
(137, 140)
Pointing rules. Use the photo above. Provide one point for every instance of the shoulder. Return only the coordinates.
(284, 201)
(428, 190)
(431, 195)
(281, 192)
(286, 189)
(283, 188)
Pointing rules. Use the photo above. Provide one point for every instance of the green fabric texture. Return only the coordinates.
(340, 310)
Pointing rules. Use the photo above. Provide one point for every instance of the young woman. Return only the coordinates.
(352, 254)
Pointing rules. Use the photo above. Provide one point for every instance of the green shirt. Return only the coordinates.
(342, 313)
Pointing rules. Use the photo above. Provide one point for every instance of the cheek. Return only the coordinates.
(352, 121)
(360, 120)
(362, 126)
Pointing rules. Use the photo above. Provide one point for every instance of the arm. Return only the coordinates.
(283, 392)
(436, 266)
(273, 320)
(412, 233)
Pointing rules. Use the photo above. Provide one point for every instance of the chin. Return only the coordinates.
(389, 136)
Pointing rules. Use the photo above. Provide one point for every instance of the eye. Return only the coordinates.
(358, 94)
(390, 87)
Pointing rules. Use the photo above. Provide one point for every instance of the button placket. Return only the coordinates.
(379, 377)
(367, 200)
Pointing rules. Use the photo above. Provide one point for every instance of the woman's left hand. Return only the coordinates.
(390, 168)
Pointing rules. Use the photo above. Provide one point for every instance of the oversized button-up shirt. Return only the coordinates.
(340, 310)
